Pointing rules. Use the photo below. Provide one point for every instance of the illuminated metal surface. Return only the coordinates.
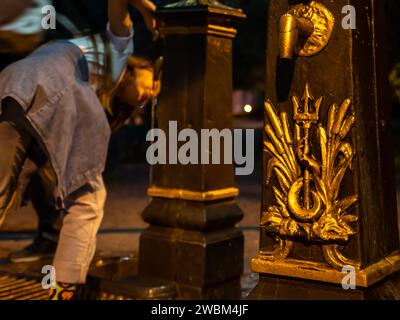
(319, 272)
(306, 187)
(209, 29)
(16, 287)
(305, 30)
(193, 195)
(21, 288)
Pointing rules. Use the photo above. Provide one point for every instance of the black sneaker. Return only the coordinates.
(40, 249)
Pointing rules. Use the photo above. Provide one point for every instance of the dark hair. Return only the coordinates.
(136, 62)
(106, 85)
(118, 111)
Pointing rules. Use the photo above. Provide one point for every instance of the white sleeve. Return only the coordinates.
(119, 43)
(121, 48)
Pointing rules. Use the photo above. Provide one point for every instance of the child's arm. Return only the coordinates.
(118, 15)
(146, 9)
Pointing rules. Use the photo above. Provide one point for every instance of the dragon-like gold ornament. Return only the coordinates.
(309, 167)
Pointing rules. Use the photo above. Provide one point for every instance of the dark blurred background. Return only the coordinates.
(249, 73)
(90, 16)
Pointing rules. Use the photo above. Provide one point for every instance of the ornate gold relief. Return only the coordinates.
(323, 22)
(306, 170)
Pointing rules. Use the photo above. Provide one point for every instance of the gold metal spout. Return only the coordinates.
(305, 30)
(291, 29)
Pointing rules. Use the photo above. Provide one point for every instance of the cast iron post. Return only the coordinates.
(192, 238)
(329, 215)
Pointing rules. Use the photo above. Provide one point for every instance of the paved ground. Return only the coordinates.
(120, 230)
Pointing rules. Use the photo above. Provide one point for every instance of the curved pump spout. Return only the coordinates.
(290, 29)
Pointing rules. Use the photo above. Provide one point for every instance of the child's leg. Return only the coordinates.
(77, 242)
(41, 194)
(43, 201)
(14, 143)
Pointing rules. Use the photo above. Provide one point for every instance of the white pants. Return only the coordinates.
(77, 243)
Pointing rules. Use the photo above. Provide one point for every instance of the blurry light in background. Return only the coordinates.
(248, 108)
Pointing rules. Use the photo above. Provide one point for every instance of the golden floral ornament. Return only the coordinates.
(306, 171)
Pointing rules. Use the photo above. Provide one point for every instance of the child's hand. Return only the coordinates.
(147, 10)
